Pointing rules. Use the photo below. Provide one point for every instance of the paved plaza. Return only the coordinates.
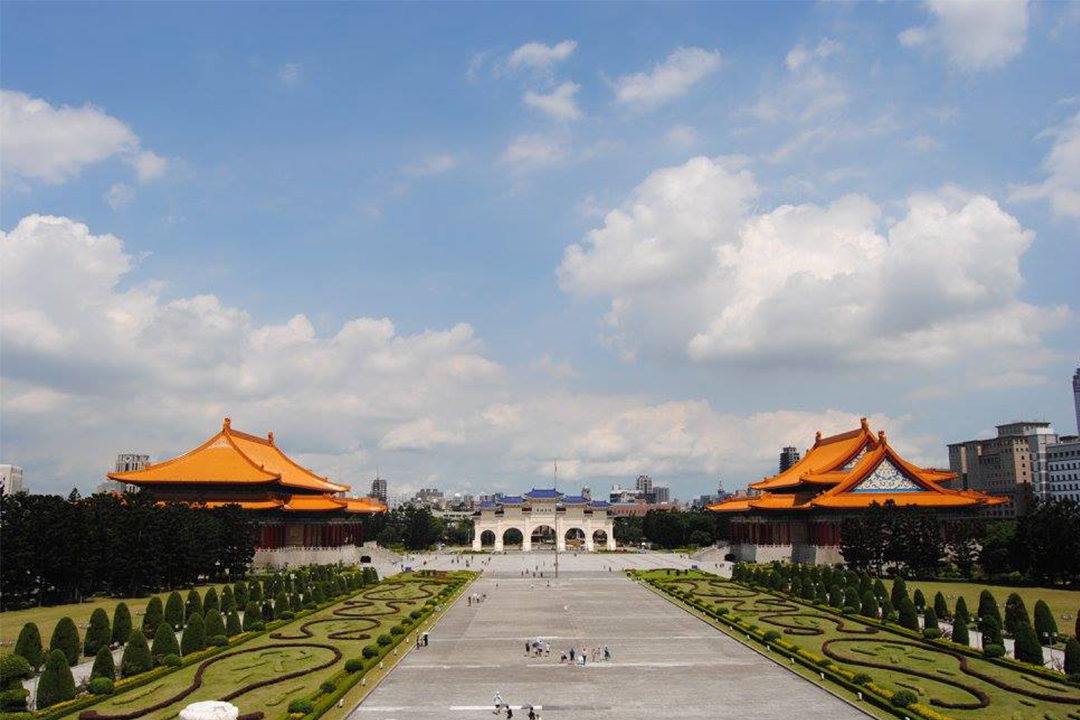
(666, 662)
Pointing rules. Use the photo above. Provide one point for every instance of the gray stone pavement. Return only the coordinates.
(666, 663)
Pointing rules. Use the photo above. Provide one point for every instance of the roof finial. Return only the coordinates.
(865, 424)
(226, 424)
(817, 438)
(881, 436)
(270, 437)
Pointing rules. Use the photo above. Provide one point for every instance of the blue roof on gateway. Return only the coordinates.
(543, 493)
(511, 500)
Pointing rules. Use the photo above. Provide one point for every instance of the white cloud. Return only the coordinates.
(472, 70)
(1062, 165)
(800, 55)
(534, 150)
(974, 35)
(559, 370)
(289, 74)
(538, 57)
(691, 270)
(923, 144)
(681, 136)
(433, 165)
(119, 195)
(559, 103)
(53, 144)
(98, 360)
(683, 68)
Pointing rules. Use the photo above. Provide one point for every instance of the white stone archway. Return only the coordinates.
(539, 509)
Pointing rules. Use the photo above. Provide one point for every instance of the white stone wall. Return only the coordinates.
(527, 522)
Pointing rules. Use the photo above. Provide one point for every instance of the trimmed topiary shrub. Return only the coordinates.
(301, 706)
(174, 611)
(56, 685)
(103, 667)
(960, 634)
(136, 657)
(961, 612)
(861, 679)
(908, 617)
(218, 641)
(415, 614)
(232, 624)
(210, 601)
(1027, 648)
(772, 635)
(213, 624)
(931, 633)
(28, 646)
(1072, 656)
(172, 660)
(267, 611)
(165, 643)
(328, 687)
(869, 606)
(879, 589)
(899, 590)
(1016, 613)
(286, 615)
(994, 651)
(295, 603)
(194, 638)
(98, 634)
(919, 600)
(153, 617)
(228, 600)
(990, 627)
(255, 591)
(385, 639)
(252, 615)
(65, 638)
(370, 651)
(101, 686)
(930, 619)
(1045, 626)
(240, 594)
(397, 630)
(121, 624)
(13, 703)
(193, 606)
(353, 665)
(988, 607)
(13, 670)
(317, 594)
(903, 698)
(940, 606)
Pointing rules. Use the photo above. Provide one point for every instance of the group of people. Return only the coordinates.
(574, 656)
(477, 598)
(536, 647)
(500, 705)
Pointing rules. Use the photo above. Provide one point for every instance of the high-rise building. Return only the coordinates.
(11, 479)
(378, 489)
(788, 457)
(661, 494)
(1076, 397)
(128, 462)
(1014, 464)
(1063, 468)
(644, 485)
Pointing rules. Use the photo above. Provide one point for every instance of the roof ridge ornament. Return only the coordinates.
(226, 424)
(270, 437)
(865, 424)
(817, 438)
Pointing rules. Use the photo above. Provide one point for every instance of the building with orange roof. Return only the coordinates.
(295, 507)
(796, 514)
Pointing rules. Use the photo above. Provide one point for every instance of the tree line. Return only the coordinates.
(1042, 546)
(59, 550)
(672, 528)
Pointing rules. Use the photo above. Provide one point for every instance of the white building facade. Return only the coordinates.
(1063, 462)
(542, 515)
(11, 479)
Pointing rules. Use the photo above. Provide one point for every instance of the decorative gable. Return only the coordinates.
(850, 464)
(887, 478)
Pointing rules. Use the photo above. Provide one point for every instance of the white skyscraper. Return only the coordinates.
(11, 479)
(1076, 398)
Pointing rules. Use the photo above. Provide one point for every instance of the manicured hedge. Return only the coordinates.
(65, 638)
(56, 683)
(28, 646)
(121, 624)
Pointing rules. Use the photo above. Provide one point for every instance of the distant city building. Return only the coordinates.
(586, 492)
(1076, 397)
(788, 457)
(1063, 468)
(1012, 465)
(619, 494)
(660, 494)
(128, 462)
(378, 489)
(644, 485)
(429, 498)
(11, 479)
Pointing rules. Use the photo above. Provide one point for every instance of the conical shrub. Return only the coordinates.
(165, 643)
(232, 624)
(56, 684)
(210, 601)
(153, 616)
(214, 624)
(1016, 613)
(98, 634)
(1045, 626)
(28, 646)
(103, 665)
(174, 610)
(136, 658)
(193, 606)
(65, 638)
(1027, 648)
(228, 600)
(121, 624)
(194, 635)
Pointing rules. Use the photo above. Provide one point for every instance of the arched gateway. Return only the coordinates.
(536, 515)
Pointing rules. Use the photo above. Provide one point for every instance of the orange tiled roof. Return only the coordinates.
(232, 456)
(855, 470)
(363, 505)
(312, 503)
(246, 504)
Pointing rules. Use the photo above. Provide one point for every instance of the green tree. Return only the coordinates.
(193, 606)
(252, 615)
(961, 615)
(98, 634)
(964, 542)
(1072, 656)
(930, 619)
(255, 591)
(996, 550)
(28, 646)
(990, 627)
(869, 604)
(836, 596)
(228, 600)
(13, 670)
(165, 643)
(56, 683)
(214, 624)
(1016, 613)
(232, 624)
(940, 606)
(210, 601)
(899, 590)
(240, 594)
(65, 638)
(281, 602)
(908, 617)
(194, 638)
(879, 589)
(174, 610)
(988, 606)
(121, 624)
(919, 599)
(153, 616)
(1045, 626)
(1027, 648)
(960, 632)
(136, 658)
(103, 664)
(295, 603)
(851, 598)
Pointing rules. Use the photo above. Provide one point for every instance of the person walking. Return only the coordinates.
(498, 703)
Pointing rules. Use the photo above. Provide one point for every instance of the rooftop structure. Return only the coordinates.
(1012, 465)
(542, 515)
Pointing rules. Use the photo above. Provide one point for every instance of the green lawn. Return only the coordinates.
(937, 678)
(264, 675)
(11, 622)
(1064, 604)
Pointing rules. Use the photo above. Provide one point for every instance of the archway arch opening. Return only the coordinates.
(542, 536)
(487, 538)
(512, 537)
(575, 538)
(599, 538)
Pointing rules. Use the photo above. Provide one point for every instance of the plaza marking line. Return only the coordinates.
(455, 708)
(591, 665)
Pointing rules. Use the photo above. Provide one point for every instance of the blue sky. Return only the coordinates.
(459, 241)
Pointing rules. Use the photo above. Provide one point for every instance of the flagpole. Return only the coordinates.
(555, 487)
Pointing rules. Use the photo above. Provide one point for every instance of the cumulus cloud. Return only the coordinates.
(98, 359)
(50, 144)
(1062, 165)
(289, 74)
(538, 57)
(119, 195)
(691, 270)
(973, 35)
(533, 150)
(559, 103)
(433, 165)
(672, 78)
(923, 144)
(800, 55)
(681, 136)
